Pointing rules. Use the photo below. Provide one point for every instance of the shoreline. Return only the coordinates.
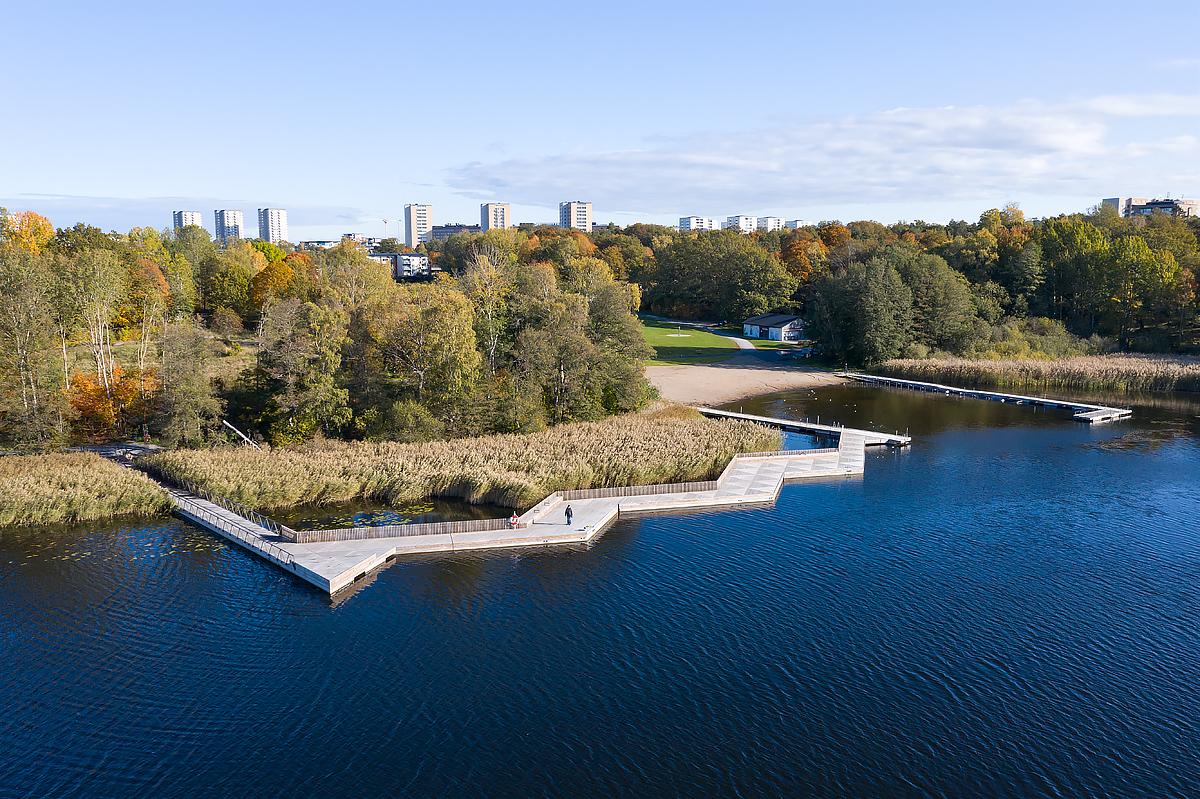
(749, 373)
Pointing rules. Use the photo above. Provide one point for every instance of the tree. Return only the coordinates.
(228, 282)
(300, 353)
(32, 403)
(26, 230)
(718, 275)
(862, 313)
(349, 277)
(1076, 254)
(269, 251)
(272, 283)
(425, 338)
(102, 281)
(487, 283)
(188, 411)
(943, 312)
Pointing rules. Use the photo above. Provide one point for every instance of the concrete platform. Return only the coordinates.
(335, 566)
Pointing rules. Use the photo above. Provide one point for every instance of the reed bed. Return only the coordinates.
(1091, 372)
(514, 471)
(73, 487)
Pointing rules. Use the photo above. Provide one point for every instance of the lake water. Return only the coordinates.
(1009, 608)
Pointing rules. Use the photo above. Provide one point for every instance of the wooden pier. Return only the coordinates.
(1081, 411)
(872, 438)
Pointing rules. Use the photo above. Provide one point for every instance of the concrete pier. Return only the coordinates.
(333, 566)
(1081, 411)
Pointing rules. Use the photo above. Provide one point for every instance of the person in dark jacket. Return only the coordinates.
(570, 515)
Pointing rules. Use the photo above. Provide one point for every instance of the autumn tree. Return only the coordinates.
(227, 283)
(26, 230)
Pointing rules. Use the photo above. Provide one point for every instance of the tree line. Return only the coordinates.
(165, 335)
(1002, 285)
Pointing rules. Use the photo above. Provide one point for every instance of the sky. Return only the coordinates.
(117, 114)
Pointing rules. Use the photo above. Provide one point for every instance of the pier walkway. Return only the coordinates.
(334, 565)
(871, 438)
(1081, 411)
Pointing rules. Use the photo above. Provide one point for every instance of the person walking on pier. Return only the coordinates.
(570, 515)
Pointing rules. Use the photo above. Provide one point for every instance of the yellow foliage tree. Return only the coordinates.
(27, 230)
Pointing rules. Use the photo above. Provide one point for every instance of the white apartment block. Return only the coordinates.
(575, 214)
(796, 224)
(272, 225)
(687, 223)
(181, 219)
(228, 225)
(769, 223)
(495, 216)
(418, 223)
(741, 223)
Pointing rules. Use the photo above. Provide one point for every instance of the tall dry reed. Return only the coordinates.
(1091, 372)
(510, 470)
(73, 487)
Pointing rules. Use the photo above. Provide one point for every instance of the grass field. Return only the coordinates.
(679, 344)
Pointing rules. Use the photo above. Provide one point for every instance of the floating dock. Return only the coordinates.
(871, 438)
(1081, 411)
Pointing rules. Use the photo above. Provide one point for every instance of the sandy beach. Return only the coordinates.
(746, 374)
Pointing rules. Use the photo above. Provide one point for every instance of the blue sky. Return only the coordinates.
(115, 114)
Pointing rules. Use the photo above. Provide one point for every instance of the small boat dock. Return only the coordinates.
(1081, 411)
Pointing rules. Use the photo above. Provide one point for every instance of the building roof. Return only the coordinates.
(772, 320)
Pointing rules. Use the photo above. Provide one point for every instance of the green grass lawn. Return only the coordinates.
(685, 345)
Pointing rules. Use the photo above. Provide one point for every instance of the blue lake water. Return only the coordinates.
(1009, 608)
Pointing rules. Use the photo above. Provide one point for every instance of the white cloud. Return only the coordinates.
(1089, 147)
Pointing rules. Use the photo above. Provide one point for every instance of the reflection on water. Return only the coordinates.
(375, 513)
(1010, 607)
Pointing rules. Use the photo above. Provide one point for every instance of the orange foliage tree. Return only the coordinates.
(105, 415)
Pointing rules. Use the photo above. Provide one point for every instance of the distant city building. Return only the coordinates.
(1140, 206)
(406, 265)
(228, 225)
(495, 216)
(443, 232)
(575, 214)
(770, 223)
(272, 225)
(796, 224)
(322, 244)
(367, 242)
(697, 223)
(418, 223)
(1123, 205)
(741, 223)
(181, 219)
